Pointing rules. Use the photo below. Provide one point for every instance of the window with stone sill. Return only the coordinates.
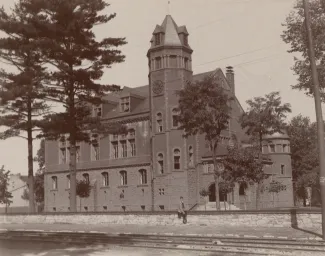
(143, 176)
(159, 122)
(282, 169)
(160, 163)
(105, 179)
(95, 147)
(173, 61)
(54, 182)
(115, 149)
(177, 159)
(132, 147)
(124, 149)
(123, 178)
(190, 156)
(175, 115)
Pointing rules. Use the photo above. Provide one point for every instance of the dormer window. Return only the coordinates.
(186, 40)
(157, 39)
(97, 111)
(125, 104)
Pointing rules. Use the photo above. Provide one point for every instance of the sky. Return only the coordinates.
(245, 34)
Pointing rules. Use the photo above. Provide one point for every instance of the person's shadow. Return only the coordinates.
(294, 223)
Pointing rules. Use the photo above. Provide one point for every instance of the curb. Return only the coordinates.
(217, 235)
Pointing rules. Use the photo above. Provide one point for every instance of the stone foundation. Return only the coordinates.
(293, 218)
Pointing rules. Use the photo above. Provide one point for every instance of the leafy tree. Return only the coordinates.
(295, 34)
(83, 189)
(204, 108)
(242, 166)
(225, 187)
(68, 45)
(22, 96)
(275, 187)
(265, 116)
(308, 179)
(5, 195)
(303, 145)
(204, 193)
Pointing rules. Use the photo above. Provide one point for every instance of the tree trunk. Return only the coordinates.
(216, 177)
(258, 187)
(30, 157)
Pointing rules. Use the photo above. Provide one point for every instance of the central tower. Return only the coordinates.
(170, 68)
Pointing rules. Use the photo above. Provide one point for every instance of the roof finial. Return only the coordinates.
(168, 8)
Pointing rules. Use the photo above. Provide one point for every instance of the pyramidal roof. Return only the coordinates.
(171, 32)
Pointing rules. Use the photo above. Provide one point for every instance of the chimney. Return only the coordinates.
(230, 77)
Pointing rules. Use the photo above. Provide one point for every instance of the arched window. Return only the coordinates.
(190, 156)
(124, 178)
(175, 114)
(143, 176)
(68, 181)
(242, 188)
(105, 179)
(86, 177)
(159, 122)
(54, 182)
(177, 159)
(160, 163)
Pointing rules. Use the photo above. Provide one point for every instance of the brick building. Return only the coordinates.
(152, 166)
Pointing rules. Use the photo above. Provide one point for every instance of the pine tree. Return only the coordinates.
(22, 95)
(68, 45)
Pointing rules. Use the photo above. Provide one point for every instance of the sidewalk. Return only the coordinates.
(189, 230)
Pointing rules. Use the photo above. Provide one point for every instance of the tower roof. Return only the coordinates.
(171, 32)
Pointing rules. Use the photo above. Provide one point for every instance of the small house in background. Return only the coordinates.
(17, 185)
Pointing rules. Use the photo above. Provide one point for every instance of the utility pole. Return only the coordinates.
(319, 115)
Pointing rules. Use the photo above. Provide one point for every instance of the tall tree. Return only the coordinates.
(265, 115)
(5, 195)
(303, 145)
(22, 96)
(69, 46)
(204, 108)
(295, 34)
(242, 166)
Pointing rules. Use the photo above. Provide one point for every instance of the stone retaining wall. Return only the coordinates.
(251, 219)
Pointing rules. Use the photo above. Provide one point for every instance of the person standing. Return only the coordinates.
(181, 211)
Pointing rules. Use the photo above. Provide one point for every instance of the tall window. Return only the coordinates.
(285, 148)
(242, 189)
(132, 147)
(124, 148)
(173, 61)
(177, 159)
(159, 122)
(279, 148)
(115, 149)
(68, 181)
(158, 63)
(272, 148)
(94, 147)
(143, 176)
(105, 179)
(175, 117)
(282, 169)
(86, 177)
(157, 39)
(124, 178)
(63, 150)
(186, 65)
(190, 156)
(160, 163)
(125, 104)
(54, 182)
